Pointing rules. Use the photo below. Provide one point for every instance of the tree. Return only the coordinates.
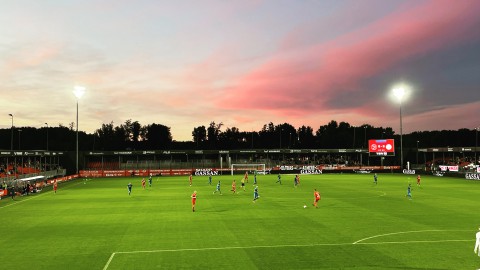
(326, 135)
(284, 132)
(305, 137)
(158, 136)
(231, 138)
(266, 136)
(110, 137)
(199, 135)
(213, 132)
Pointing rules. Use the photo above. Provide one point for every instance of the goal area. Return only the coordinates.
(250, 168)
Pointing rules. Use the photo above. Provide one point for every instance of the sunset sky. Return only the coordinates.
(245, 63)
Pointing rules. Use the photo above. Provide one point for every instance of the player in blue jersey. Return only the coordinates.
(150, 180)
(409, 192)
(295, 181)
(375, 179)
(129, 187)
(218, 189)
(210, 179)
(279, 179)
(255, 194)
(255, 178)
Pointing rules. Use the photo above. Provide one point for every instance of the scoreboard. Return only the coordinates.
(384, 147)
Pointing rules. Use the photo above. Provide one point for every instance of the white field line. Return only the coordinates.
(394, 233)
(109, 261)
(273, 246)
(419, 241)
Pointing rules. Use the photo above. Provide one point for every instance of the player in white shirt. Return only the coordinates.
(477, 244)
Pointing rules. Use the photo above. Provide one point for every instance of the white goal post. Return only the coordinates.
(242, 168)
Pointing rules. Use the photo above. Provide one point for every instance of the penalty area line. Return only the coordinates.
(272, 246)
(406, 232)
(109, 261)
(414, 241)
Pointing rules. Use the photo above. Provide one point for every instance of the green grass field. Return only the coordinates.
(357, 226)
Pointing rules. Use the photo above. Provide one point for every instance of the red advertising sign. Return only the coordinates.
(384, 147)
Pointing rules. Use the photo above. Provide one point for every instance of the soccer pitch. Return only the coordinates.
(358, 225)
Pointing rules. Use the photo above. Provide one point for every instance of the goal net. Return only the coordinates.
(250, 168)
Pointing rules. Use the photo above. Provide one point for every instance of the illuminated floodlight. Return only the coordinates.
(400, 93)
(79, 91)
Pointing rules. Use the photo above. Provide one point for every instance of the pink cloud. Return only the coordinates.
(28, 57)
(452, 117)
(305, 80)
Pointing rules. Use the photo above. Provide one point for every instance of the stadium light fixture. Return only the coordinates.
(78, 91)
(11, 141)
(400, 93)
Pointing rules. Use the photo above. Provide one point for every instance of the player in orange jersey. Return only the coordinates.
(194, 200)
(418, 180)
(317, 198)
(234, 187)
(190, 179)
(55, 186)
(143, 183)
(246, 176)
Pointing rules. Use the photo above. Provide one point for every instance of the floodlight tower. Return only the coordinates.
(365, 135)
(476, 143)
(417, 151)
(19, 137)
(353, 145)
(78, 91)
(399, 93)
(47, 135)
(11, 141)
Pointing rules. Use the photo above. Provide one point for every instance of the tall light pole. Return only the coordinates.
(11, 141)
(476, 144)
(252, 139)
(353, 137)
(47, 135)
(365, 136)
(78, 91)
(399, 93)
(19, 139)
(290, 141)
(417, 151)
(281, 129)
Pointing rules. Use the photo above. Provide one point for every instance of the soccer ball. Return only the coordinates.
(305, 206)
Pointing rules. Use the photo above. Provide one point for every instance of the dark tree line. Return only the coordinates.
(131, 135)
